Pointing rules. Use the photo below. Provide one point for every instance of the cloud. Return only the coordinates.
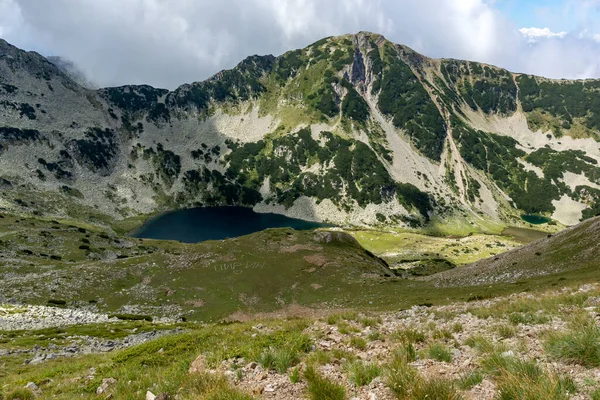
(169, 42)
(534, 34)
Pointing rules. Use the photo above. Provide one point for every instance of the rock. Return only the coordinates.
(509, 353)
(198, 365)
(163, 396)
(150, 395)
(269, 388)
(106, 383)
(32, 386)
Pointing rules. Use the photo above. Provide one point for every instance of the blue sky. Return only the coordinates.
(557, 15)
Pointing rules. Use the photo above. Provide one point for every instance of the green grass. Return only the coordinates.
(164, 361)
(506, 331)
(362, 373)
(470, 379)
(358, 342)
(245, 274)
(407, 384)
(320, 388)
(580, 344)
(400, 377)
(524, 379)
(20, 394)
(319, 357)
(409, 335)
(439, 352)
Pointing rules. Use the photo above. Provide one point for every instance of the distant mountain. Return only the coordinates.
(72, 71)
(351, 129)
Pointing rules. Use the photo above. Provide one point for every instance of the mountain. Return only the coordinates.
(351, 129)
(72, 71)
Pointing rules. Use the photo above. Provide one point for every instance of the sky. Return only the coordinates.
(166, 43)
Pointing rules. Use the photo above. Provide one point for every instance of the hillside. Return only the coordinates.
(352, 130)
(574, 248)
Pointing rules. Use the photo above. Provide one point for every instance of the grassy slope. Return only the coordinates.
(469, 349)
(262, 272)
(572, 250)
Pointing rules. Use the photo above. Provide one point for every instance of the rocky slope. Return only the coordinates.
(352, 129)
(540, 345)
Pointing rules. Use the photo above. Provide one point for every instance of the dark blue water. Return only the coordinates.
(215, 223)
(535, 219)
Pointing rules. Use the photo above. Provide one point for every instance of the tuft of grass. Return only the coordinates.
(375, 335)
(294, 375)
(595, 395)
(266, 359)
(528, 318)
(358, 342)
(580, 344)
(319, 357)
(409, 335)
(21, 394)
(214, 387)
(435, 388)
(400, 377)
(484, 345)
(442, 334)
(439, 352)
(525, 379)
(343, 355)
(470, 379)
(368, 321)
(320, 388)
(279, 360)
(457, 327)
(407, 384)
(362, 373)
(284, 359)
(506, 331)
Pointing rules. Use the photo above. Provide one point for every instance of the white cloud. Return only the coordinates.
(534, 34)
(170, 42)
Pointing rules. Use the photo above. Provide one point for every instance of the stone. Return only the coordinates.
(106, 383)
(150, 395)
(32, 386)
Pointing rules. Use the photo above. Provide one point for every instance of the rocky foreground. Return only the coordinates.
(542, 346)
